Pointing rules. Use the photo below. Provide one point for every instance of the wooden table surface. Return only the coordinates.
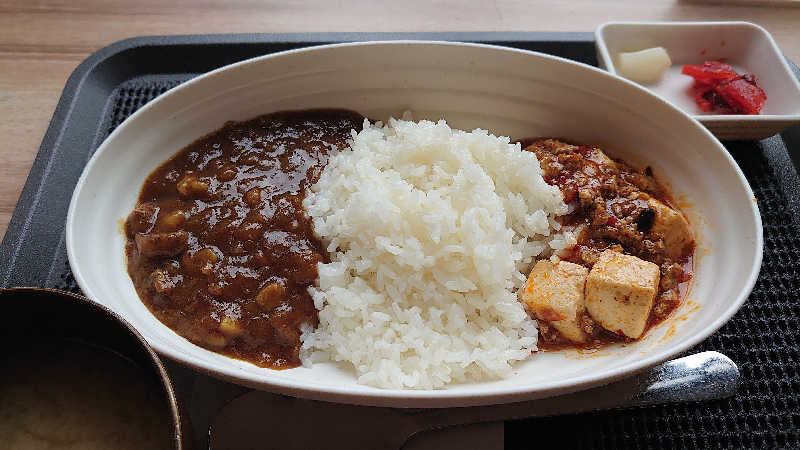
(41, 41)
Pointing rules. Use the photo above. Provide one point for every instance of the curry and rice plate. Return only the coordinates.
(404, 250)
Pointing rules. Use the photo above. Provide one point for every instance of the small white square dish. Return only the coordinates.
(747, 47)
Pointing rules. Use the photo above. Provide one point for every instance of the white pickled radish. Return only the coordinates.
(645, 66)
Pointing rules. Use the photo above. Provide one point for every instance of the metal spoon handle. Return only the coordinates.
(702, 376)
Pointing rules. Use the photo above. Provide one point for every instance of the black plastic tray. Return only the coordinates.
(762, 338)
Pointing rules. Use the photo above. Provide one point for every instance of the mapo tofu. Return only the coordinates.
(634, 244)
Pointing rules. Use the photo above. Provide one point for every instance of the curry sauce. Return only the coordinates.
(219, 247)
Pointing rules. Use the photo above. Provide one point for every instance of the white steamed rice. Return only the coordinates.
(431, 232)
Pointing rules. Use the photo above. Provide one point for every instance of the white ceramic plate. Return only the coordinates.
(748, 47)
(510, 92)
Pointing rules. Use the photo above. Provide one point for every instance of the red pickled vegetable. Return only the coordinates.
(704, 96)
(718, 87)
(709, 72)
(742, 94)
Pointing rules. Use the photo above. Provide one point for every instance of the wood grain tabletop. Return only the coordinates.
(42, 41)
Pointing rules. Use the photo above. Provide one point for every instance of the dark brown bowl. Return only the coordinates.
(46, 313)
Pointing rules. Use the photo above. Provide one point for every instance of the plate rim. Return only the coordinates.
(366, 395)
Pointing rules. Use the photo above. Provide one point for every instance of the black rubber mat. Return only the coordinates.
(763, 338)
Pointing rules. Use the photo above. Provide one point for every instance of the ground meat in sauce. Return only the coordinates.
(612, 203)
(219, 247)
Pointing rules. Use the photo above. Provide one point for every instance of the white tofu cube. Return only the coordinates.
(555, 293)
(620, 290)
(672, 226)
